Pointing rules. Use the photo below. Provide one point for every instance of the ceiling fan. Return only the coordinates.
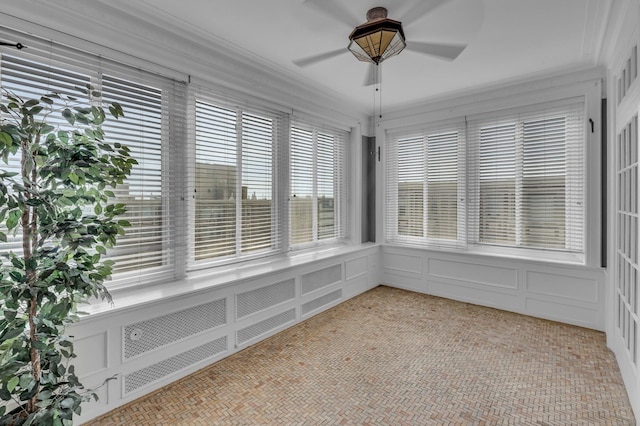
(380, 37)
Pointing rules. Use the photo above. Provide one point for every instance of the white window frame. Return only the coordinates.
(391, 217)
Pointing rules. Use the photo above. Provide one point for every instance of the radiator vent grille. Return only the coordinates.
(157, 371)
(322, 278)
(262, 327)
(146, 335)
(321, 301)
(264, 297)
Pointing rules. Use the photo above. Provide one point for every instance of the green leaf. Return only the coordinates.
(6, 139)
(10, 314)
(13, 219)
(35, 110)
(73, 177)
(69, 116)
(5, 395)
(12, 383)
(10, 333)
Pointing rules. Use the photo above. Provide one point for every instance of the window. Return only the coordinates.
(425, 185)
(528, 179)
(316, 182)
(504, 182)
(235, 189)
(144, 253)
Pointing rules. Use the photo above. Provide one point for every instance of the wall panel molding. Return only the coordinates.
(567, 293)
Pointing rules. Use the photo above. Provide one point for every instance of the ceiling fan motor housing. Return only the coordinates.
(377, 39)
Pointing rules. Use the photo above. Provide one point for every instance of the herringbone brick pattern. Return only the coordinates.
(393, 357)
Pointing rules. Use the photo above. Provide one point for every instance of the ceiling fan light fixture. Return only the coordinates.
(378, 39)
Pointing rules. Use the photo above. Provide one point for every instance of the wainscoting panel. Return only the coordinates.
(95, 344)
(569, 293)
(402, 263)
(562, 311)
(394, 279)
(578, 288)
(474, 273)
(356, 267)
(153, 342)
(477, 296)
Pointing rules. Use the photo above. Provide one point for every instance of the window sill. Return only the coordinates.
(220, 277)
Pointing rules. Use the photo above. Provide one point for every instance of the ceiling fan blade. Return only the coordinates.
(442, 51)
(373, 75)
(310, 60)
(419, 9)
(334, 9)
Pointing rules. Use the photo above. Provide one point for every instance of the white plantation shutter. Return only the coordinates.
(528, 174)
(234, 167)
(425, 186)
(316, 204)
(154, 111)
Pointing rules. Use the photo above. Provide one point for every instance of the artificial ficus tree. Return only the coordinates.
(60, 208)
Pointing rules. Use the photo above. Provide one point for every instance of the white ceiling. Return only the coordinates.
(507, 40)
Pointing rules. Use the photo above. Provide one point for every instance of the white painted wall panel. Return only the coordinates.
(404, 263)
(393, 279)
(356, 286)
(474, 273)
(563, 312)
(479, 296)
(568, 293)
(356, 267)
(96, 345)
(578, 288)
